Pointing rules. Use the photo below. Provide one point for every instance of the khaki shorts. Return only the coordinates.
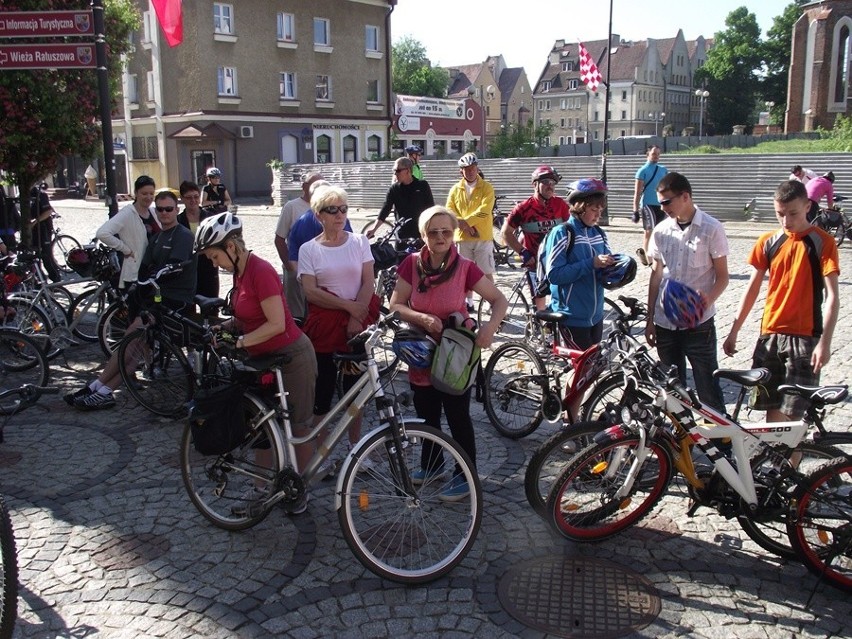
(481, 252)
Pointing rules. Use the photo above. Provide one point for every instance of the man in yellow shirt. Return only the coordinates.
(472, 201)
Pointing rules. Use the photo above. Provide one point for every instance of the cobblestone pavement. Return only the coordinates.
(110, 545)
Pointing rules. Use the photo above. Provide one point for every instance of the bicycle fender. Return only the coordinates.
(612, 434)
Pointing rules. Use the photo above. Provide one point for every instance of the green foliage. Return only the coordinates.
(519, 141)
(276, 164)
(840, 137)
(730, 72)
(413, 73)
(47, 113)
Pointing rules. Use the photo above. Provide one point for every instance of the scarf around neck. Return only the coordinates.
(430, 277)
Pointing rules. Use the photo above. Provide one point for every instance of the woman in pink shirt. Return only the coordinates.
(432, 286)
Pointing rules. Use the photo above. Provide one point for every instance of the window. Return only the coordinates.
(624, 95)
(287, 87)
(323, 149)
(145, 148)
(223, 18)
(840, 68)
(132, 89)
(624, 115)
(562, 122)
(350, 148)
(372, 90)
(322, 34)
(371, 38)
(547, 105)
(149, 81)
(286, 27)
(572, 84)
(562, 104)
(567, 66)
(323, 87)
(227, 81)
(146, 26)
(374, 147)
(545, 86)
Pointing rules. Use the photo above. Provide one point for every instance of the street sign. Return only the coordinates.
(47, 56)
(29, 24)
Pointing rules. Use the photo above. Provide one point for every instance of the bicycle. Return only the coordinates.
(394, 522)
(61, 244)
(523, 382)
(834, 221)
(503, 253)
(22, 362)
(618, 479)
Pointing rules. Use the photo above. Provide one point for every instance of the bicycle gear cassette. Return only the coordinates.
(551, 407)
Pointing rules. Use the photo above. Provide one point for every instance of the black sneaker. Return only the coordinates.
(95, 401)
(70, 398)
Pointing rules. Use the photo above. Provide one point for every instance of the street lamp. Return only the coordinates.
(657, 118)
(769, 105)
(702, 95)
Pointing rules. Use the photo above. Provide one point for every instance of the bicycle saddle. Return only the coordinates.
(209, 305)
(749, 377)
(551, 316)
(817, 395)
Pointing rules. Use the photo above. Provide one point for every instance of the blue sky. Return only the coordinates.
(468, 31)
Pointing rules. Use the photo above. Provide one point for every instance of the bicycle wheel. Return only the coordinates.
(59, 247)
(86, 310)
(8, 574)
(415, 537)
(112, 326)
(31, 319)
(516, 323)
(223, 487)
(583, 505)
(516, 384)
(608, 396)
(769, 529)
(820, 526)
(22, 361)
(164, 381)
(552, 457)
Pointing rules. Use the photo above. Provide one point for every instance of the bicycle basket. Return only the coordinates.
(384, 255)
(80, 262)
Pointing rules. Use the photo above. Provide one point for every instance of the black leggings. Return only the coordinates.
(428, 403)
(327, 383)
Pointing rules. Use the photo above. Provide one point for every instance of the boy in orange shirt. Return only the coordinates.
(795, 337)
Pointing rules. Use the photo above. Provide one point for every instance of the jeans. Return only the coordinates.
(698, 345)
(428, 402)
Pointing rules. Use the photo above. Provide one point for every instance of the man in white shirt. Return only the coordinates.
(801, 174)
(291, 212)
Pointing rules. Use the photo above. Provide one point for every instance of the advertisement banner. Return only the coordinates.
(414, 106)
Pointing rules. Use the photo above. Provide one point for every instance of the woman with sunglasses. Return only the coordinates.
(432, 286)
(336, 272)
(129, 231)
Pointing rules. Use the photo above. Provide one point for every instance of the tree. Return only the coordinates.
(413, 73)
(730, 73)
(47, 113)
(519, 141)
(776, 56)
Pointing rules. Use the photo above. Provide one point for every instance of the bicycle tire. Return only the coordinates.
(552, 457)
(516, 384)
(22, 361)
(166, 382)
(581, 506)
(112, 326)
(821, 523)
(217, 484)
(62, 299)
(516, 322)
(771, 535)
(607, 395)
(60, 246)
(87, 313)
(415, 538)
(8, 574)
(31, 319)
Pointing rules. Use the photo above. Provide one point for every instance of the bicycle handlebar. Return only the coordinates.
(29, 393)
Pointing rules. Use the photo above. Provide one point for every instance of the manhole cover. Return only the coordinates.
(578, 597)
(130, 551)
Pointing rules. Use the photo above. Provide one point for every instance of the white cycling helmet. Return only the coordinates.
(216, 229)
(468, 159)
(214, 172)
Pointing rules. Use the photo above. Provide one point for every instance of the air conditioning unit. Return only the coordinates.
(246, 131)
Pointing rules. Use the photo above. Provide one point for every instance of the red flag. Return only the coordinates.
(589, 73)
(170, 15)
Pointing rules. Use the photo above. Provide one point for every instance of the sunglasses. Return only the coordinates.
(166, 209)
(399, 170)
(436, 233)
(668, 201)
(334, 210)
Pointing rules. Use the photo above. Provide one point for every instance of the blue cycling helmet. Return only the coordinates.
(684, 306)
(587, 187)
(414, 347)
(620, 273)
(413, 148)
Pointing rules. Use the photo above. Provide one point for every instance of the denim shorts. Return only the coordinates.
(788, 358)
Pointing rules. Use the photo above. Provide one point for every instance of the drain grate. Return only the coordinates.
(578, 597)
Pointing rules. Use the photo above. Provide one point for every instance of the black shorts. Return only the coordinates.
(652, 214)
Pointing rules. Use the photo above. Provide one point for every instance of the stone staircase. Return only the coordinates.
(722, 184)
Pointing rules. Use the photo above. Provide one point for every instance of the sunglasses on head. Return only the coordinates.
(435, 233)
(166, 209)
(334, 210)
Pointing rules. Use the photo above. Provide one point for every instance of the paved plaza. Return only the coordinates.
(110, 546)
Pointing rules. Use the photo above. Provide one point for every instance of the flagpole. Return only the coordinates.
(607, 101)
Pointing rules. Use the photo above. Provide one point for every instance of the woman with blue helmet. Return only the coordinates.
(575, 256)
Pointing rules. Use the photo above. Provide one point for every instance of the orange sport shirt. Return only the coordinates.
(793, 307)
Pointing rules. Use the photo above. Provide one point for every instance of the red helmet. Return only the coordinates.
(547, 172)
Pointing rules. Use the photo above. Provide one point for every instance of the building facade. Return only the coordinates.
(254, 81)
(820, 65)
(651, 89)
